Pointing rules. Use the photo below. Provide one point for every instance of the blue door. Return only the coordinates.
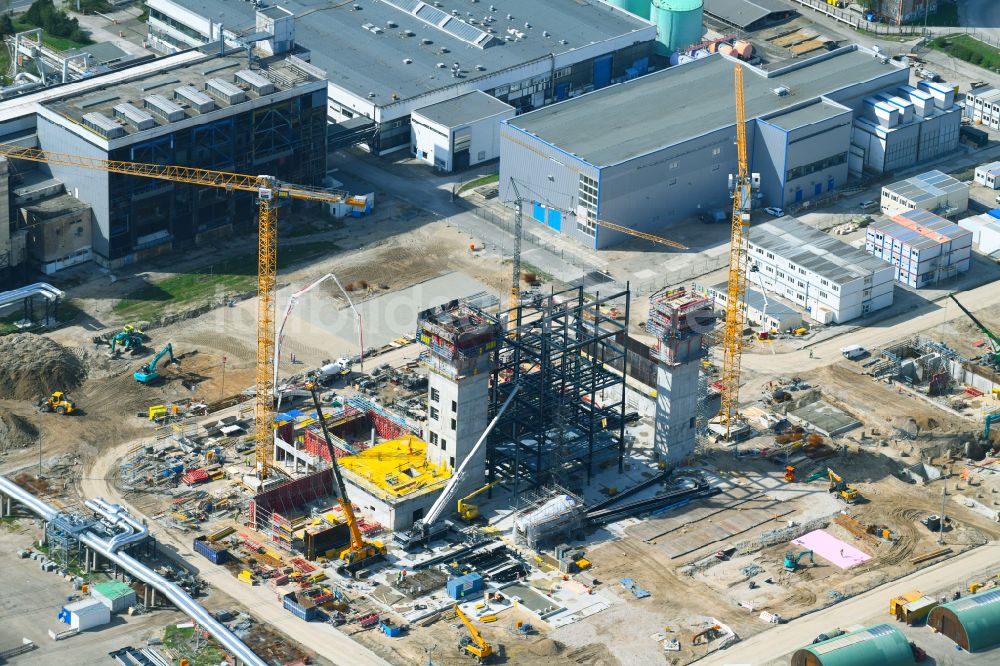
(819, 189)
(602, 71)
(829, 185)
(562, 91)
(798, 195)
(539, 212)
(555, 219)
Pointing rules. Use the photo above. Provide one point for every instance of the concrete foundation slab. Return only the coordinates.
(824, 418)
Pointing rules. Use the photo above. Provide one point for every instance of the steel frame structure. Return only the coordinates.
(559, 351)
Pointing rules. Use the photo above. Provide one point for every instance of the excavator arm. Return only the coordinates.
(994, 339)
(479, 647)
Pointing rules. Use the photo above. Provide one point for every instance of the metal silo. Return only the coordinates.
(640, 8)
(678, 23)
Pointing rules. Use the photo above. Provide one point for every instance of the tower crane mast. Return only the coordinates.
(742, 186)
(271, 194)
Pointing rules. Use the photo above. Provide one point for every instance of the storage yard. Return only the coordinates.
(715, 385)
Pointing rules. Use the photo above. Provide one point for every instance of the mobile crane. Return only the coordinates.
(360, 553)
(844, 491)
(474, 644)
(994, 356)
(271, 194)
(148, 374)
(468, 511)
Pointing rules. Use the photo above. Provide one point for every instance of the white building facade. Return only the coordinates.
(825, 277)
(924, 249)
(933, 190)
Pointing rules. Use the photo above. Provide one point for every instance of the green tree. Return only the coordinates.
(45, 15)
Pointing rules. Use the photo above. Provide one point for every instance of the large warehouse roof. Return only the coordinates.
(638, 117)
(363, 50)
(744, 13)
(814, 250)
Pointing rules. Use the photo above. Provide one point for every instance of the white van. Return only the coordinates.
(853, 352)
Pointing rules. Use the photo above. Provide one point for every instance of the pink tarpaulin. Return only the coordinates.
(829, 547)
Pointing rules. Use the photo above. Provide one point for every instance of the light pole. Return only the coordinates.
(944, 492)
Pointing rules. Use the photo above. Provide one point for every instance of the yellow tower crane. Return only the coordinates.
(742, 186)
(271, 193)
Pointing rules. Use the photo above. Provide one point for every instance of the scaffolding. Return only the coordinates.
(561, 351)
(62, 535)
(546, 515)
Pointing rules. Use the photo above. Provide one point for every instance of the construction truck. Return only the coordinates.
(360, 553)
(474, 644)
(792, 560)
(844, 491)
(58, 402)
(468, 511)
(148, 373)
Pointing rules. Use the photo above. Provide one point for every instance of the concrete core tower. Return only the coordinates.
(680, 320)
(459, 346)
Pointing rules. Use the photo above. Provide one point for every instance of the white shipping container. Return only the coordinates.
(86, 614)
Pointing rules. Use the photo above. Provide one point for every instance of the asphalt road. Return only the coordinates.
(875, 335)
(863, 609)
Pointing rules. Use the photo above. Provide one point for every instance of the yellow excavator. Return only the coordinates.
(474, 644)
(468, 511)
(360, 553)
(840, 487)
(58, 402)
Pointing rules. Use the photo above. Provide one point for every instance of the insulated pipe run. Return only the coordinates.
(174, 593)
(117, 516)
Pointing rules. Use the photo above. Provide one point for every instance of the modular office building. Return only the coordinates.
(923, 248)
(387, 58)
(214, 113)
(655, 151)
(823, 275)
(933, 190)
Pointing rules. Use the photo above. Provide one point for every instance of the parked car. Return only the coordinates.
(776, 212)
(853, 352)
(871, 204)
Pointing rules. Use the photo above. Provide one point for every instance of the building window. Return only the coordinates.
(454, 425)
(434, 438)
(588, 202)
(819, 165)
(454, 407)
(435, 395)
(824, 283)
(444, 443)
(822, 294)
(674, 165)
(768, 269)
(770, 255)
(716, 151)
(434, 413)
(451, 462)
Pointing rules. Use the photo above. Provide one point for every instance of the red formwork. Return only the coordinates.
(287, 497)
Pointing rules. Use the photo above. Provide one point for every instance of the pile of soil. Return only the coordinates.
(34, 365)
(16, 432)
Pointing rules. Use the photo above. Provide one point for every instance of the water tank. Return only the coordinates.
(678, 23)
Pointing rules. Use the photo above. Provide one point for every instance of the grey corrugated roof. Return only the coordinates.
(464, 109)
(926, 186)
(814, 250)
(361, 61)
(812, 113)
(635, 118)
(743, 12)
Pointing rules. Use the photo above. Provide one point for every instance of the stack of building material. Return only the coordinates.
(195, 476)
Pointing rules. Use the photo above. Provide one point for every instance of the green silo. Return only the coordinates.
(678, 23)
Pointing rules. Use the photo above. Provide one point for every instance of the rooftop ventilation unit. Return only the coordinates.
(781, 91)
(164, 108)
(407, 61)
(198, 100)
(257, 82)
(134, 116)
(426, 41)
(224, 91)
(100, 124)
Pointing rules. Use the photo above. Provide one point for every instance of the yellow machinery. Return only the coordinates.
(473, 644)
(360, 553)
(741, 186)
(271, 193)
(845, 492)
(58, 402)
(468, 511)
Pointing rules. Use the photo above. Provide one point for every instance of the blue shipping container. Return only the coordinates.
(995, 213)
(297, 610)
(464, 586)
(214, 553)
